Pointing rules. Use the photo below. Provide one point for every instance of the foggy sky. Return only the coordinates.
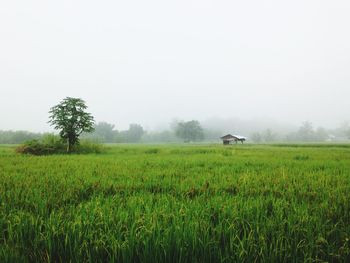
(152, 61)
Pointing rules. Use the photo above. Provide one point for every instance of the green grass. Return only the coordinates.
(177, 203)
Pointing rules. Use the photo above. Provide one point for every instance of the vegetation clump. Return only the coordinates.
(49, 144)
(53, 144)
(190, 131)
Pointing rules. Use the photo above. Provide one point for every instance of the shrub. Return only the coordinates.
(52, 144)
(37, 147)
(301, 157)
(89, 146)
(152, 151)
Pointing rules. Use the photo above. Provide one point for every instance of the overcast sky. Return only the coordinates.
(151, 61)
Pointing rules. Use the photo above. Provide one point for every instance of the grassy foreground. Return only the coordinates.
(177, 204)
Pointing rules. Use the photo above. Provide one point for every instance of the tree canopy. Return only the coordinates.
(189, 131)
(70, 117)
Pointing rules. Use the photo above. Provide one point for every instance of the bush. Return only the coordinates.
(52, 144)
(301, 157)
(152, 151)
(89, 146)
(37, 147)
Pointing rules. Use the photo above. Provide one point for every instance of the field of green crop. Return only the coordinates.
(176, 203)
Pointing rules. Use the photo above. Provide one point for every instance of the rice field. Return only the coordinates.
(177, 203)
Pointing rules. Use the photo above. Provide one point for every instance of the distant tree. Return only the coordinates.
(17, 137)
(134, 133)
(70, 118)
(190, 131)
(104, 132)
(306, 132)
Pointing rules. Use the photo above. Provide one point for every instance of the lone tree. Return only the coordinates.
(71, 119)
(189, 131)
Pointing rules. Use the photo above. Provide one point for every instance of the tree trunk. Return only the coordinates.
(68, 146)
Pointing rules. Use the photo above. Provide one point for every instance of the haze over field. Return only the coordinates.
(149, 62)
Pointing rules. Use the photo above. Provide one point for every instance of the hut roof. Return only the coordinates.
(229, 137)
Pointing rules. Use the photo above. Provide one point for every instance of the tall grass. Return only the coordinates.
(177, 204)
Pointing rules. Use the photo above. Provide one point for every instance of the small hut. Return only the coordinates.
(228, 138)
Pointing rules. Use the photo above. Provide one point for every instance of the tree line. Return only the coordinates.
(107, 133)
(72, 121)
(17, 137)
(305, 133)
(190, 131)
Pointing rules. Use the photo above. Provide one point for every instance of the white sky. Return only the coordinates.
(151, 61)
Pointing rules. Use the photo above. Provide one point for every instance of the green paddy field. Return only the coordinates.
(177, 203)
